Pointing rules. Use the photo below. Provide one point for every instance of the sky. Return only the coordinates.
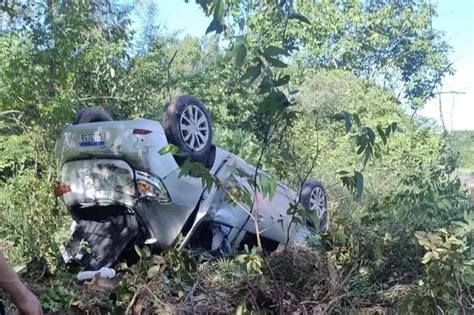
(455, 18)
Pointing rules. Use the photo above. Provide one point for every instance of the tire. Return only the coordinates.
(94, 114)
(187, 125)
(314, 198)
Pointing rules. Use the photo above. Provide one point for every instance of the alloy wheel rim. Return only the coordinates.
(318, 201)
(194, 128)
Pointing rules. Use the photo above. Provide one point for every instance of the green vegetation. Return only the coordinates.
(301, 88)
(463, 141)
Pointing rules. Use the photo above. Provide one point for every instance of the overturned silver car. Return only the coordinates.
(122, 192)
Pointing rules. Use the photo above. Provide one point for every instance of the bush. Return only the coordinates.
(33, 223)
(378, 247)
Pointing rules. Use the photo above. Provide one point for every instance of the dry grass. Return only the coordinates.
(303, 282)
(297, 281)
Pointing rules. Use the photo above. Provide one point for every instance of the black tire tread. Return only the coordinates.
(170, 122)
(92, 114)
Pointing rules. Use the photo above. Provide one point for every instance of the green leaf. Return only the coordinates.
(238, 51)
(266, 85)
(275, 51)
(347, 119)
(282, 81)
(427, 258)
(420, 235)
(215, 26)
(219, 7)
(299, 17)
(242, 308)
(277, 63)
(468, 215)
(153, 271)
(205, 5)
(146, 252)
(252, 73)
(395, 127)
(388, 130)
(356, 119)
(362, 146)
(268, 185)
(367, 154)
(359, 183)
(169, 148)
(391, 129)
(240, 55)
(382, 134)
(371, 135)
(139, 251)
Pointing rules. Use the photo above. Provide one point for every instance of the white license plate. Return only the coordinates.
(91, 139)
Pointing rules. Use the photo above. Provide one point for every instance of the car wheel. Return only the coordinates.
(93, 114)
(187, 125)
(314, 198)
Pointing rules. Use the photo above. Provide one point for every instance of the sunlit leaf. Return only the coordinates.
(427, 258)
(169, 148)
(153, 271)
(219, 7)
(420, 235)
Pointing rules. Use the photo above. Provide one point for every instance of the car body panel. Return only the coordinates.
(167, 221)
(141, 151)
(103, 161)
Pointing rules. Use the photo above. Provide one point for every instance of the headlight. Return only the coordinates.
(152, 187)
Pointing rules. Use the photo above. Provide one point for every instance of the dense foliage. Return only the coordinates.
(318, 89)
(462, 141)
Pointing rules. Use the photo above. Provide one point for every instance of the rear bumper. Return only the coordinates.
(103, 182)
(98, 189)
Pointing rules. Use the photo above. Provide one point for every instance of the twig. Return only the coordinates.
(278, 291)
(191, 293)
(460, 291)
(441, 117)
(12, 111)
(449, 92)
(302, 180)
(132, 302)
(257, 232)
(88, 98)
(431, 93)
(267, 137)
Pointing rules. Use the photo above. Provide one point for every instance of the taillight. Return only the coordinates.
(152, 187)
(141, 131)
(144, 187)
(61, 189)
